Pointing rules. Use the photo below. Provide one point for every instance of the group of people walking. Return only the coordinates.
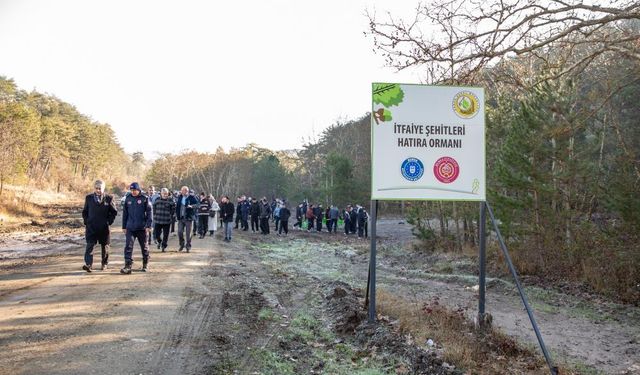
(154, 215)
(308, 216)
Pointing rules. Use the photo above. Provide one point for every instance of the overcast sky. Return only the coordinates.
(171, 76)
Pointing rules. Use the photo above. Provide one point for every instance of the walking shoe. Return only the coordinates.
(145, 266)
(164, 248)
(87, 268)
(158, 245)
(181, 248)
(104, 267)
(126, 270)
(188, 248)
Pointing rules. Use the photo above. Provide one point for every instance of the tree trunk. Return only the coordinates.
(441, 217)
(457, 223)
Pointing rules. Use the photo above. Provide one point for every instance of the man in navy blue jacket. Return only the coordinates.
(186, 206)
(136, 224)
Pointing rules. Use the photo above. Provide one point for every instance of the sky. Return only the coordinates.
(170, 76)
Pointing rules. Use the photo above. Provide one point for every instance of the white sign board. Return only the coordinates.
(427, 142)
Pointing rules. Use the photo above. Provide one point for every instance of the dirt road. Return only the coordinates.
(260, 305)
(216, 310)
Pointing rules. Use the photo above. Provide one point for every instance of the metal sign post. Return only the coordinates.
(525, 302)
(371, 285)
(482, 231)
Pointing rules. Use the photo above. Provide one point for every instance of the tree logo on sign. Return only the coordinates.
(387, 94)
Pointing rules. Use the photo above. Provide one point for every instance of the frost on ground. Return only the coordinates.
(271, 305)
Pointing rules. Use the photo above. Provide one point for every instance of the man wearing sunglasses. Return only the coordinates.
(98, 213)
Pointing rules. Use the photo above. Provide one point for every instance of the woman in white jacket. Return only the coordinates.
(213, 215)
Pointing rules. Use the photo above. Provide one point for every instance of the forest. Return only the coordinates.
(49, 143)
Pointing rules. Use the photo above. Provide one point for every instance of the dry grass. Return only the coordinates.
(20, 204)
(15, 208)
(477, 352)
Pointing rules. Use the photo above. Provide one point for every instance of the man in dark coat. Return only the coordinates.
(318, 212)
(346, 216)
(353, 220)
(265, 214)
(362, 220)
(238, 213)
(245, 207)
(98, 213)
(255, 215)
(226, 213)
(186, 205)
(136, 225)
(284, 219)
(195, 220)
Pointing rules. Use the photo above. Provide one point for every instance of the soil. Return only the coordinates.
(266, 305)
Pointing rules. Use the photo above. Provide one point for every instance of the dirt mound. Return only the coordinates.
(345, 306)
(379, 340)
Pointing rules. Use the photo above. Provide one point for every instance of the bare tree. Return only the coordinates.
(458, 38)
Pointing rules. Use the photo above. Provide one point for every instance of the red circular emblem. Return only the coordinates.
(446, 169)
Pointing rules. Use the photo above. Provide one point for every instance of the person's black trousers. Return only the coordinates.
(162, 229)
(203, 224)
(103, 238)
(284, 226)
(264, 225)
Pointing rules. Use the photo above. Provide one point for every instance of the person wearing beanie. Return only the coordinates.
(136, 225)
(98, 214)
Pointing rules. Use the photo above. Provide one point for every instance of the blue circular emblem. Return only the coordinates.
(412, 169)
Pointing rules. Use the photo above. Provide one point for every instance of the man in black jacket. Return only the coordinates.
(186, 205)
(226, 213)
(98, 213)
(255, 215)
(318, 212)
(265, 214)
(353, 220)
(238, 213)
(284, 219)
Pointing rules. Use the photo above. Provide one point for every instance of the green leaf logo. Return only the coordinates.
(465, 104)
(387, 94)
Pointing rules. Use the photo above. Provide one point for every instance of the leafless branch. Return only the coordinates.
(455, 39)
